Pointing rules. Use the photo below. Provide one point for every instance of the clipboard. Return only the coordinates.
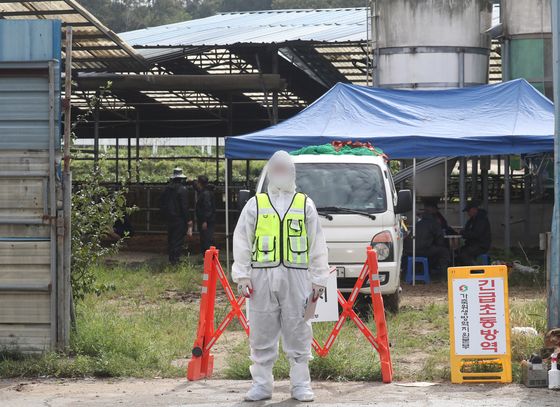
(310, 308)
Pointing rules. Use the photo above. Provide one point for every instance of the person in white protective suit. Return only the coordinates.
(280, 259)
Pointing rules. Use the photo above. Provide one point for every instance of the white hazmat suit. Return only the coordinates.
(278, 295)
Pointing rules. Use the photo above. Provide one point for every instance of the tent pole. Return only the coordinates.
(445, 186)
(484, 167)
(527, 203)
(554, 271)
(227, 212)
(474, 178)
(462, 197)
(507, 199)
(414, 222)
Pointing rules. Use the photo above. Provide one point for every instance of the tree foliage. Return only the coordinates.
(127, 15)
(95, 209)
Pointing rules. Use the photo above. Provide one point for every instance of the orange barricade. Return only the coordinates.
(201, 363)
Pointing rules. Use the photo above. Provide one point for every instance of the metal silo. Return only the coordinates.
(527, 49)
(432, 44)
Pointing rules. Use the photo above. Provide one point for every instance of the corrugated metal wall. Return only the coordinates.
(29, 186)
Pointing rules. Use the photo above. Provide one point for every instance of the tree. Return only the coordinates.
(290, 4)
(127, 15)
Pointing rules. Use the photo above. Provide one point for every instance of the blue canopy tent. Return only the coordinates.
(501, 119)
(506, 118)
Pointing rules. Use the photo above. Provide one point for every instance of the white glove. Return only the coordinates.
(245, 287)
(318, 291)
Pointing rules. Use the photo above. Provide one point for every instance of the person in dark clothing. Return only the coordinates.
(438, 216)
(205, 213)
(175, 208)
(430, 243)
(477, 235)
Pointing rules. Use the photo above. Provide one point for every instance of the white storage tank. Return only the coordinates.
(432, 44)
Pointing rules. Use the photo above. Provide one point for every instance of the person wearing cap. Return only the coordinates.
(175, 209)
(433, 209)
(477, 234)
(205, 213)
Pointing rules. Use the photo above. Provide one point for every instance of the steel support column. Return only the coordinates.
(554, 271)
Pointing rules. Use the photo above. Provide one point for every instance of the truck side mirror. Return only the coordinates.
(242, 198)
(404, 201)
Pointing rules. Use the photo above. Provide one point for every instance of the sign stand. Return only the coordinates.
(479, 324)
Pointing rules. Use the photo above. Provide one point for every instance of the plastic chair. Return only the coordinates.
(423, 275)
(483, 259)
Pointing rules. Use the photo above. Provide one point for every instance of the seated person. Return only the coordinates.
(434, 210)
(477, 235)
(429, 243)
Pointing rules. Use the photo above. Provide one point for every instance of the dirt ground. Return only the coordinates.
(419, 295)
(179, 392)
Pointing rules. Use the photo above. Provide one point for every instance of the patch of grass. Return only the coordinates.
(148, 283)
(353, 358)
(135, 329)
(145, 318)
(419, 346)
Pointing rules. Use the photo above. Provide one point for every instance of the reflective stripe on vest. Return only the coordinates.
(280, 241)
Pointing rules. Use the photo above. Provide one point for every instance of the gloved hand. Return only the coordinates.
(245, 287)
(318, 291)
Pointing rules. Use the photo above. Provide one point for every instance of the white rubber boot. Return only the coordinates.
(301, 381)
(262, 383)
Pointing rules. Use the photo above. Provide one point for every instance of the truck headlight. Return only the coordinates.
(382, 243)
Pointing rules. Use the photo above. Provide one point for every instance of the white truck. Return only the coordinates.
(359, 206)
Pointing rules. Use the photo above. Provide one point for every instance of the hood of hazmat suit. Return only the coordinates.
(277, 304)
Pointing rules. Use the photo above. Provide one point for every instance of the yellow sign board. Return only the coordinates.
(479, 324)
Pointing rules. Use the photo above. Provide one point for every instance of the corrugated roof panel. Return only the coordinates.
(259, 27)
(89, 34)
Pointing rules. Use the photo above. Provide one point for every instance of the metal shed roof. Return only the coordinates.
(258, 27)
(329, 43)
(95, 47)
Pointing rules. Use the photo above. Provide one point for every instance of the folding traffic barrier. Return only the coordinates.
(201, 364)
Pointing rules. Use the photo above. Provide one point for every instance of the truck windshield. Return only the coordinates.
(344, 185)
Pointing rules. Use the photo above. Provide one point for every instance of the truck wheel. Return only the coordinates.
(391, 302)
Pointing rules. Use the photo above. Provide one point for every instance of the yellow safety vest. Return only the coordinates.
(280, 241)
